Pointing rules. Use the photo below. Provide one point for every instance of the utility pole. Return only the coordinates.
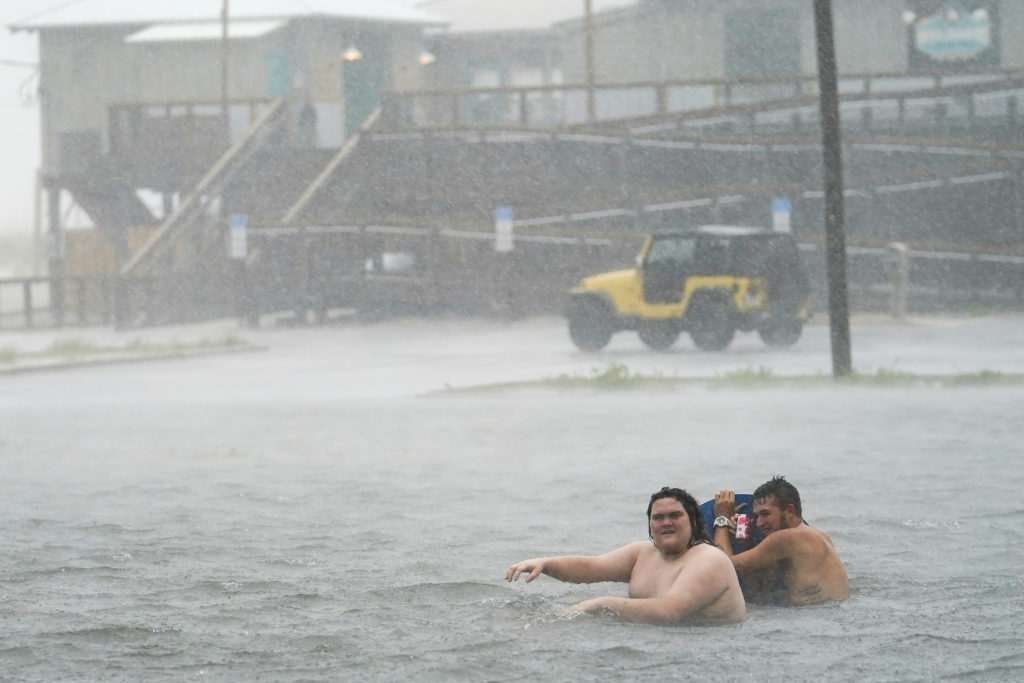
(835, 239)
(588, 56)
(224, 54)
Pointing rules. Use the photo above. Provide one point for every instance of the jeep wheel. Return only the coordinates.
(711, 324)
(781, 332)
(590, 325)
(658, 335)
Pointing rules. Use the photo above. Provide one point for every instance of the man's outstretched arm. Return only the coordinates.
(614, 566)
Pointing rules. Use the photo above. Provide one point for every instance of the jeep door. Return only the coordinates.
(665, 268)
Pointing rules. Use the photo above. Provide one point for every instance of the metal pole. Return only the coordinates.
(224, 53)
(588, 50)
(835, 239)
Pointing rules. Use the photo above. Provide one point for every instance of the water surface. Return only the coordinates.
(318, 538)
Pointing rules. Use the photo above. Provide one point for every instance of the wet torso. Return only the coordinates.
(654, 575)
(812, 573)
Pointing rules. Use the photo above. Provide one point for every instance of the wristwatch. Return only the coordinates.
(722, 521)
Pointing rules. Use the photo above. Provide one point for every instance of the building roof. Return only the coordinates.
(204, 30)
(114, 12)
(470, 16)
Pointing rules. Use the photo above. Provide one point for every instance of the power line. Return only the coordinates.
(41, 12)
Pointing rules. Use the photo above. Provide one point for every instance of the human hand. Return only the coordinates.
(586, 607)
(532, 568)
(725, 503)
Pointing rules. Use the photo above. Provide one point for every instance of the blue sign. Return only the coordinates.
(503, 221)
(953, 35)
(781, 211)
(238, 246)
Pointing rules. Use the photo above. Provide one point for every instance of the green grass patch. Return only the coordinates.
(611, 376)
(898, 378)
(79, 349)
(883, 377)
(618, 376)
(172, 346)
(983, 378)
(70, 348)
(750, 376)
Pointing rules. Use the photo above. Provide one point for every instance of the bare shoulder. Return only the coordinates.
(795, 534)
(803, 538)
(708, 554)
(637, 550)
(812, 532)
(639, 547)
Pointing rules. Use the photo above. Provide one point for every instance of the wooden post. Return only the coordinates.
(900, 280)
(27, 293)
(108, 283)
(80, 301)
(56, 255)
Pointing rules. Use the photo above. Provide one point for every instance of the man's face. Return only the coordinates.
(670, 525)
(768, 516)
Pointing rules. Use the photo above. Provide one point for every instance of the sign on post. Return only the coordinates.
(503, 235)
(278, 81)
(781, 212)
(238, 247)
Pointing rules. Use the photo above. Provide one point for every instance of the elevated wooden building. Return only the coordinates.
(344, 134)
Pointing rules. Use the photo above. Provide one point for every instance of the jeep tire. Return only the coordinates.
(710, 321)
(659, 335)
(781, 332)
(590, 324)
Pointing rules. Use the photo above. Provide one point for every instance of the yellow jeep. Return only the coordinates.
(709, 281)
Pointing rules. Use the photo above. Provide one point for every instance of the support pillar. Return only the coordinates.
(55, 253)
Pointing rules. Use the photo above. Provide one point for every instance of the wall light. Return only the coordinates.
(352, 54)
(426, 58)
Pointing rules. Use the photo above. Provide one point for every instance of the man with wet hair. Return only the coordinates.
(679, 575)
(795, 563)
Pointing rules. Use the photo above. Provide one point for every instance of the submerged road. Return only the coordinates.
(415, 356)
(300, 513)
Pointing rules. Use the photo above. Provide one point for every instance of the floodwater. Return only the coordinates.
(299, 515)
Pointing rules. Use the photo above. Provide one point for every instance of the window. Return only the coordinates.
(674, 251)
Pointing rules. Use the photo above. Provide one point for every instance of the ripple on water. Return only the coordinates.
(441, 593)
(273, 564)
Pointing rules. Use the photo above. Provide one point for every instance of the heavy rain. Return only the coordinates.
(317, 316)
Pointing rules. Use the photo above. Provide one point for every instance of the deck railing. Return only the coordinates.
(542, 107)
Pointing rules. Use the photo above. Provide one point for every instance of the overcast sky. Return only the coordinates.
(19, 121)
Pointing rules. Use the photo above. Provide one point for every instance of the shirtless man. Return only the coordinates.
(796, 558)
(678, 575)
